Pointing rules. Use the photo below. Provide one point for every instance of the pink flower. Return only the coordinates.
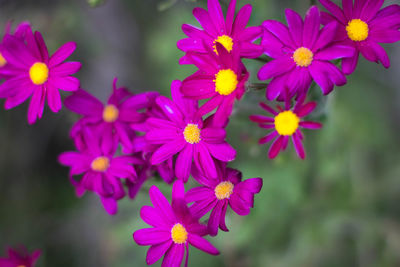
(364, 25)
(36, 74)
(217, 195)
(115, 118)
(20, 257)
(221, 78)
(101, 170)
(173, 229)
(302, 53)
(184, 134)
(286, 123)
(230, 32)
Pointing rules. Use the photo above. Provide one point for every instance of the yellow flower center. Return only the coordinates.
(192, 133)
(21, 266)
(223, 190)
(303, 57)
(225, 81)
(110, 113)
(3, 61)
(357, 30)
(100, 164)
(179, 234)
(39, 73)
(286, 123)
(226, 41)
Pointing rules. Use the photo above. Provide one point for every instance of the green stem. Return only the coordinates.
(256, 86)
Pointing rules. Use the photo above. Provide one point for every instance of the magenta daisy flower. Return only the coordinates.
(114, 118)
(221, 78)
(20, 258)
(184, 134)
(217, 195)
(364, 25)
(174, 228)
(302, 53)
(285, 124)
(36, 74)
(101, 170)
(230, 32)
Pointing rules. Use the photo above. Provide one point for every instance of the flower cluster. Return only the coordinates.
(302, 53)
(119, 145)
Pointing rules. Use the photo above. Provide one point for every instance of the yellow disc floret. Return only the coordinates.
(39, 73)
(225, 81)
(3, 61)
(179, 234)
(357, 30)
(110, 113)
(191, 133)
(224, 190)
(100, 164)
(303, 57)
(226, 41)
(286, 123)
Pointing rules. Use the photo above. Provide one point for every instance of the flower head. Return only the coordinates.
(301, 53)
(286, 123)
(185, 134)
(221, 78)
(114, 118)
(230, 32)
(100, 169)
(34, 73)
(20, 258)
(218, 194)
(173, 228)
(364, 25)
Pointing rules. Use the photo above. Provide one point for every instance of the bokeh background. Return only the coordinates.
(339, 207)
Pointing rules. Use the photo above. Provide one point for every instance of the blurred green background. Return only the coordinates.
(339, 207)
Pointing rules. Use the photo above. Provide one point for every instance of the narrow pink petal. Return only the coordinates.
(310, 125)
(215, 11)
(198, 193)
(167, 150)
(20, 96)
(204, 161)
(202, 244)
(312, 23)
(223, 151)
(62, 53)
(350, 64)
(174, 256)
(184, 163)
(298, 146)
(205, 21)
(84, 103)
(155, 252)
(152, 217)
(67, 83)
(151, 236)
(280, 31)
(161, 204)
(36, 105)
(53, 98)
(334, 9)
(215, 218)
(295, 23)
(66, 69)
(275, 68)
(261, 118)
(275, 147)
(268, 137)
(242, 19)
